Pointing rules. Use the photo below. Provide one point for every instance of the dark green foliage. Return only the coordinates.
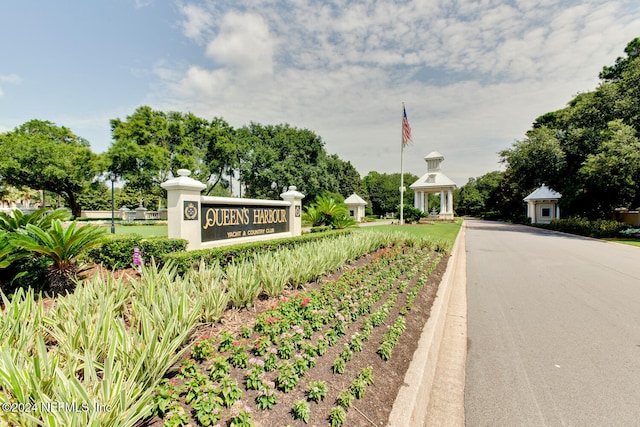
(117, 252)
(479, 196)
(599, 228)
(589, 151)
(383, 190)
(410, 213)
(20, 268)
(41, 155)
(274, 157)
(62, 245)
(328, 210)
(186, 261)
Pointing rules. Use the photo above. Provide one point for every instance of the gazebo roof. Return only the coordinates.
(433, 180)
(354, 199)
(543, 193)
(434, 155)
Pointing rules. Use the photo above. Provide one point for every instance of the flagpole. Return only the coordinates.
(402, 166)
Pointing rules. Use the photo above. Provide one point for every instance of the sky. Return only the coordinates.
(473, 74)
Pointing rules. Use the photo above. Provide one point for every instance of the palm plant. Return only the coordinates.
(6, 251)
(42, 218)
(62, 246)
(328, 211)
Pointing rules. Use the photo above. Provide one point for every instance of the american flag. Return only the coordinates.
(406, 129)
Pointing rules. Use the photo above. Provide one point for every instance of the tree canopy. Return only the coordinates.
(150, 144)
(43, 156)
(274, 157)
(587, 151)
(384, 191)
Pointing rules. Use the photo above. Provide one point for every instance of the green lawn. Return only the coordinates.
(143, 230)
(626, 241)
(439, 230)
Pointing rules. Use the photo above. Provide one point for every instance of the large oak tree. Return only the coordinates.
(43, 156)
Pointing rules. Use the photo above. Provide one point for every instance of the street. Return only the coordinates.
(553, 329)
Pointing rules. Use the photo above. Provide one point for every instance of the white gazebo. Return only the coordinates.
(434, 181)
(356, 206)
(542, 205)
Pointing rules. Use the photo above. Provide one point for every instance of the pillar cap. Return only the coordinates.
(183, 182)
(292, 193)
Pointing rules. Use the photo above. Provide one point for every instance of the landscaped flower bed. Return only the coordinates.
(110, 343)
(300, 359)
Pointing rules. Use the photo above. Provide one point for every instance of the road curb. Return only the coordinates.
(412, 402)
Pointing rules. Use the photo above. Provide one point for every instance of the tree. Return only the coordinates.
(384, 190)
(612, 174)
(95, 197)
(614, 72)
(43, 156)
(586, 151)
(275, 157)
(150, 144)
(479, 195)
(347, 177)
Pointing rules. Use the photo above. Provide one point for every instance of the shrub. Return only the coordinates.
(584, 227)
(186, 261)
(410, 213)
(62, 246)
(117, 252)
(21, 268)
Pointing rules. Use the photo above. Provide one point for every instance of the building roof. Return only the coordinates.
(434, 155)
(354, 199)
(543, 193)
(434, 179)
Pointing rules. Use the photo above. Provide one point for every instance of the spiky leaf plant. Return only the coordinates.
(62, 246)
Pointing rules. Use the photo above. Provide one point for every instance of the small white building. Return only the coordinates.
(356, 206)
(434, 181)
(542, 205)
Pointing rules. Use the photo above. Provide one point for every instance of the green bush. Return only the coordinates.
(320, 229)
(117, 252)
(410, 213)
(187, 261)
(599, 228)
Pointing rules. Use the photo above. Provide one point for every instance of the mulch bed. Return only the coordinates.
(374, 408)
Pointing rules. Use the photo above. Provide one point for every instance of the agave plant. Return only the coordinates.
(62, 246)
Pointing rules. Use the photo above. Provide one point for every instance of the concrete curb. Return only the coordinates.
(412, 402)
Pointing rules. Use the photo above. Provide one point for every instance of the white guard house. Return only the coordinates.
(356, 206)
(434, 181)
(542, 205)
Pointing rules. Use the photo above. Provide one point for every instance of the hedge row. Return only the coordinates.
(117, 252)
(186, 261)
(599, 228)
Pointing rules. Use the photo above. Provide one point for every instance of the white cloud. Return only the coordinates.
(197, 23)
(243, 44)
(9, 78)
(342, 68)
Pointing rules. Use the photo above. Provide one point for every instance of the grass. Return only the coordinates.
(439, 230)
(143, 230)
(626, 241)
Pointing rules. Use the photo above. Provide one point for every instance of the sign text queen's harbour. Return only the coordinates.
(226, 221)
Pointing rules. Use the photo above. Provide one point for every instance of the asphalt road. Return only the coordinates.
(553, 329)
